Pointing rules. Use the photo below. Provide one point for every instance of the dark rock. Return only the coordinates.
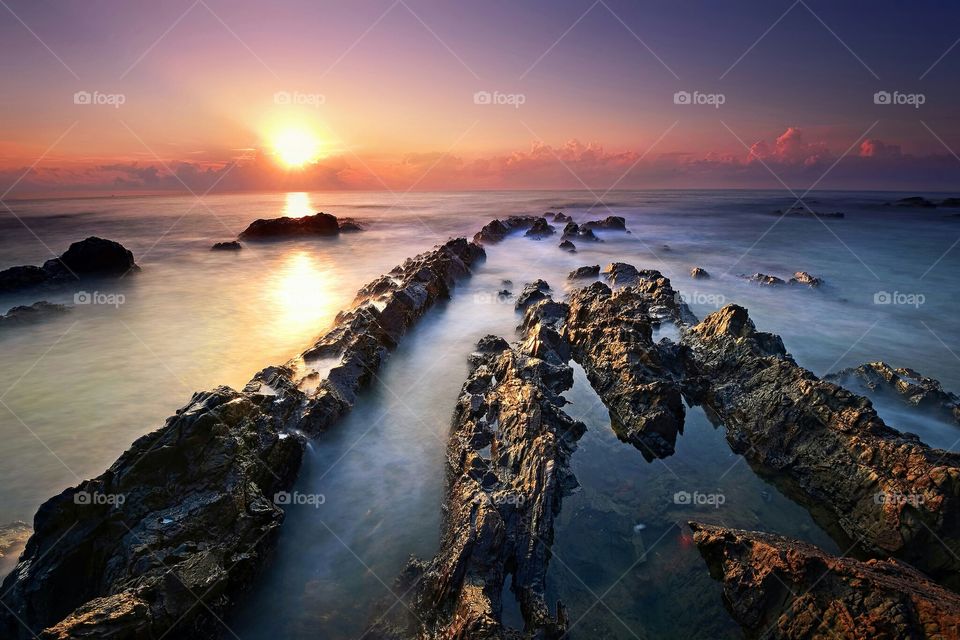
(532, 292)
(93, 257)
(803, 212)
(802, 277)
(540, 229)
(698, 273)
(783, 589)
(915, 202)
(584, 272)
(764, 279)
(320, 224)
(610, 223)
(197, 512)
(573, 231)
(864, 482)
(232, 245)
(907, 385)
(951, 203)
(566, 245)
(496, 230)
(560, 217)
(508, 463)
(349, 225)
(36, 312)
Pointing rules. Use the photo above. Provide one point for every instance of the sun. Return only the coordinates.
(296, 147)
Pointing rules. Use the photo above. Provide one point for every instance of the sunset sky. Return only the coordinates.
(202, 94)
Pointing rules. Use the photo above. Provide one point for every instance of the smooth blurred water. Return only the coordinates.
(77, 390)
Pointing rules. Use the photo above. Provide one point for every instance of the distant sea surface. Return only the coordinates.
(77, 390)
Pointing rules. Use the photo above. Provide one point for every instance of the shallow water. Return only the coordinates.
(77, 390)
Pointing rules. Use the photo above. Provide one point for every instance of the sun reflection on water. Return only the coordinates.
(298, 205)
(303, 290)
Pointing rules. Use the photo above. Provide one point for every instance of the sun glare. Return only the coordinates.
(296, 147)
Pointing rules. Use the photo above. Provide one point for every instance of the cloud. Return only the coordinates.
(879, 149)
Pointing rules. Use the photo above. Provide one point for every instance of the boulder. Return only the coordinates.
(93, 257)
(573, 231)
(592, 271)
(232, 245)
(532, 292)
(610, 223)
(764, 279)
(496, 230)
(699, 273)
(18, 278)
(784, 589)
(540, 229)
(560, 217)
(320, 224)
(566, 245)
(802, 277)
(36, 312)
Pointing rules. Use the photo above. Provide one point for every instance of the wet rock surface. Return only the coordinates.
(320, 224)
(36, 312)
(909, 386)
(872, 487)
(93, 257)
(167, 537)
(508, 462)
(775, 587)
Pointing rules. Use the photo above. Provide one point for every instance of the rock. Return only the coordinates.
(532, 292)
(36, 312)
(906, 385)
(349, 225)
(584, 272)
(573, 231)
(559, 217)
(915, 202)
(13, 537)
(784, 589)
(951, 203)
(698, 273)
(802, 277)
(611, 337)
(320, 224)
(93, 257)
(540, 229)
(496, 230)
(826, 447)
(610, 223)
(192, 507)
(566, 245)
(764, 279)
(508, 464)
(803, 212)
(227, 246)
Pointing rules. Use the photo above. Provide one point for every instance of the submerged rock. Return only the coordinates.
(914, 202)
(951, 203)
(698, 273)
(865, 482)
(93, 257)
(191, 509)
(349, 225)
(496, 230)
(585, 272)
(779, 588)
(320, 224)
(232, 245)
(610, 223)
(508, 464)
(532, 292)
(764, 279)
(907, 385)
(540, 229)
(802, 277)
(560, 217)
(566, 245)
(36, 312)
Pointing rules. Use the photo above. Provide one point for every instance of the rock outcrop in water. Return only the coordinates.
(508, 460)
(496, 230)
(232, 245)
(90, 258)
(764, 279)
(532, 292)
(164, 540)
(907, 385)
(610, 223)
(573, 231)
(540, 229)
(36, 312)
(784, 589)
(884, 490)
(584, 272)
(699, 273)
(914, 202)
(804, 278)
(566, 245)
(320, 224)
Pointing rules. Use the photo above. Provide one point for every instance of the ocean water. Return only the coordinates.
(76, 390)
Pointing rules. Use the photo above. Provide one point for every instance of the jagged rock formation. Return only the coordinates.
(886, 491)
(699, 273)
(93, 257)
(508, 463)
(610, 223)
(802, 277)
(566, 245)
(561, 217)
(590, 271)
(532, 292)
(540, 229)
(764, 279)
(320, 224)
(36, 312)
(188, 512)
(779, 588)
(611, 334)
(496, 230)
(907, 385)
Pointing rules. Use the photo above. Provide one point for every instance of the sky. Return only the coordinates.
(123, 96)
